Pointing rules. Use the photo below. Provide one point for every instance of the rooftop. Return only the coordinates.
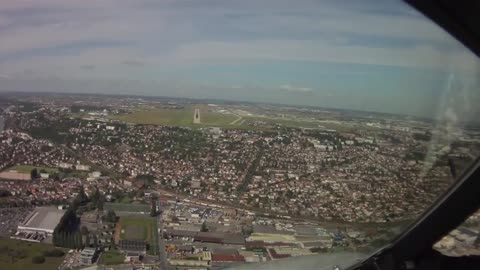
(43, 218)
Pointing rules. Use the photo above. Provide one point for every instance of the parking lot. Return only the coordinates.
(10, 218)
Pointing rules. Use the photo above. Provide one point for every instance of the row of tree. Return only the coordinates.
(66, 233)
(67, 239)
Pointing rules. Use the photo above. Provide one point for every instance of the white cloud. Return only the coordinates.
(336, 21)
(168, 34)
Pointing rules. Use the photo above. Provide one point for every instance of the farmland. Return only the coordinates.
(177, 117)
(216, 117)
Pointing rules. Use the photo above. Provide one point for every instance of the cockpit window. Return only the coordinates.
(224, 133)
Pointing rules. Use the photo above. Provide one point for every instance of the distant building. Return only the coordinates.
(133, 246)
(230, 212)
(89, 217)
(88, 256)
(227, 258)
(80, 167)
(195, 184)
(95, 174)
(65, 165)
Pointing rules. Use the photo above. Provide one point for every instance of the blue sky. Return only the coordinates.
(365, 55)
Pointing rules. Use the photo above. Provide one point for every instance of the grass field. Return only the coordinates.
(177, 117)
(8, 246)
(184, 117)
(140, 227)
(111, 257)
(28, 169)
(136, 227)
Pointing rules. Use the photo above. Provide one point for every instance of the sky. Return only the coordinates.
(365, 55)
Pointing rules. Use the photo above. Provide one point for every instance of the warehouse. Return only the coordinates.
(41, 220)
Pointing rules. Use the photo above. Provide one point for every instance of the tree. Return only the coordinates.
(101, 202)
(54, 253)
(78, 240)
(38, 259)
(55, 176)
(153, 211)
(84, 230)
(34, 174)
(95, 240)
(111, 216)
(55, 236)
(204, 227)
(5, 193)
(70, 243)
(63, 239)
(82, 196)
(95, 196)
(87, 240)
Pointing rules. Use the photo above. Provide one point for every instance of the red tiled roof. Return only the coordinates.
(227, 258)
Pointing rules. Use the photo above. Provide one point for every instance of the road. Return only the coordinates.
(161, 242)
(234, 122)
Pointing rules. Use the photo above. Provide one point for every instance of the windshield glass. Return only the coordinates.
(224, 133)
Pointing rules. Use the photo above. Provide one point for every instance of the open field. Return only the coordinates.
(177, 117)
(29, 250)
(111, 257)
(184, 117)
(29, 168)
(135, 228)
(139, 227)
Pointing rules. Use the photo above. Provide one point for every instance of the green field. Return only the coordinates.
(29, 168)
(140, 227)
(111, 257)
(29, 250)
(177, 117)
(136, 227)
